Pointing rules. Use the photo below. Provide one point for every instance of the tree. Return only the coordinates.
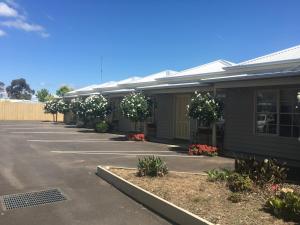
(205, 108)
(43, 95)
(51, 106)
(19, 89)
(136, 107)
(1, 86)
(63, 90)
(96, 107)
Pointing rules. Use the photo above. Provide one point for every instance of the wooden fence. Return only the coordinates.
(25, 111)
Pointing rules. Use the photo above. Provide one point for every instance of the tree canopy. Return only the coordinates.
(1, 86)
(19, 89)
(63, 90)
(43, 95)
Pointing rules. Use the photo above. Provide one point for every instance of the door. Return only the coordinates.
(182, 121)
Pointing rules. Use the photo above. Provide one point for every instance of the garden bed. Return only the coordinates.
(206, 199)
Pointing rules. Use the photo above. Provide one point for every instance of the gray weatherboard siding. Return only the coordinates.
(239, 129)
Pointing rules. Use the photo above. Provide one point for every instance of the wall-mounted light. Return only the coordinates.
(298, 97)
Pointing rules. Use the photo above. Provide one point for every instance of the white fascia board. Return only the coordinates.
(241, 77)
(88, 94)
(168, 86)
(189, 77)
(118, 91)
(70, 96)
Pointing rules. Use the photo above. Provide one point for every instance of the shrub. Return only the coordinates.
(286, 204)
(204, 108)
(152, 166)
(62, 106)
(262, 172)
(96, 107)
(136, 107)
(198, 149)
(101, 127)
(218, 175)
(235, 197)
(51, 106)
(239, 182)
(77, 107)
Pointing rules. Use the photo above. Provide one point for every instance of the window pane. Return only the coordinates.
(266, 123)
(286, 119)
(296, 121)
(285, 131)
(266, 106)
(296, 132)
(266, 101)
(286, 107)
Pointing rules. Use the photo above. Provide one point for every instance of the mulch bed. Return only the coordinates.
(206, 199)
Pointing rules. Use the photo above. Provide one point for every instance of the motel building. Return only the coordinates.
(261, 100)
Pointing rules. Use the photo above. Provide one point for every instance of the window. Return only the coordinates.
(266, 112)
(278, 112)
(289, 119)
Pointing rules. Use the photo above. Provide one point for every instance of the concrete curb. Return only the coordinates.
(166, 209)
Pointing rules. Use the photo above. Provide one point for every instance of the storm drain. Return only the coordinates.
(30, 199)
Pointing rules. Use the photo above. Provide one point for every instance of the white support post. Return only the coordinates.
(214, 126)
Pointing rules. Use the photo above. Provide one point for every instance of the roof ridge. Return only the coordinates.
(271, 54)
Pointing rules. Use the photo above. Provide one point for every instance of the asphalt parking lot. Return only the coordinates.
(37, 156)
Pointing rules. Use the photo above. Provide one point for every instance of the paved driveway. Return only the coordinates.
(36, 156)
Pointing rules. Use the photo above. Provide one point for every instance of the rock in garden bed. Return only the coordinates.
(208, 200)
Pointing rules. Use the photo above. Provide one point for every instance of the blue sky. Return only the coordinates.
(51, 43)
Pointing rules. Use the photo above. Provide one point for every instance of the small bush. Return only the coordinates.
(152, 166)
(262, 172)
(286, 204)
(239, 182)
(101, 127)
(218, 175)
(235, 198)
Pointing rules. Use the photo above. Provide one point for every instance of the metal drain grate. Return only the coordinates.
(29, 199)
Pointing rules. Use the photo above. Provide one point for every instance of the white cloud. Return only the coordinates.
(2, 33)
(7, 11)
(18, 19)
(45, 35)
(22, 25)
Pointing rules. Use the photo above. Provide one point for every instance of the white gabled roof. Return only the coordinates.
(129, 80)
(215, 66)
(153, 77)
(106, 85)
(84, 89)
(286, 54)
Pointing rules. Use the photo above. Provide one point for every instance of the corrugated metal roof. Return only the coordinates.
(286, 54)
(215, 66)
(153, 77)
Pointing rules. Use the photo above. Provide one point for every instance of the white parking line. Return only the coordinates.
(79, 141)
(134, 151)
(46, 132)
(126, 154)
(35, 128)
